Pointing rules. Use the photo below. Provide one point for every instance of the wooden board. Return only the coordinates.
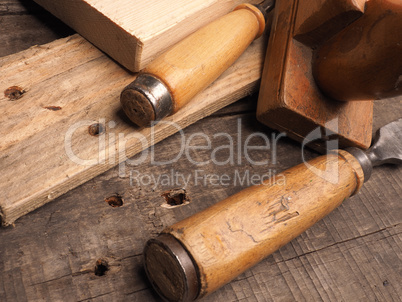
(69, 83)
(51, 253)
(289, 98)
(134, 32)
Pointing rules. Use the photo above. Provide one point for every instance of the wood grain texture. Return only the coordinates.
(24, 23)
(73, 76)
(135, 32)
(195, 62)
(351, 255)
(237, 233)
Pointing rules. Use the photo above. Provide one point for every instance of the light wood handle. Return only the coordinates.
(191, 65)
(364, 61)
(228, 238)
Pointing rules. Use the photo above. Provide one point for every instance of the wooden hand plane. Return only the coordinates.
(322, 53)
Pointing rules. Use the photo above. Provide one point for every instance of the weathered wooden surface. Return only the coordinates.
(134, 32)
(23, 24)
(352, 255)
(68, 85)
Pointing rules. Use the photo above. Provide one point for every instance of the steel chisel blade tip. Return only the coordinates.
(387, 144)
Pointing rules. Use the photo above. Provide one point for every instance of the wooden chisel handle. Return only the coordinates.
(175, 77)
(194, 257)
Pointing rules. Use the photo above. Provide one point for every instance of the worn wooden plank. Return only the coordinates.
(83, 86)
(134, 32)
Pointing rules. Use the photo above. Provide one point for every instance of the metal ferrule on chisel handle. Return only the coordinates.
(192, 65)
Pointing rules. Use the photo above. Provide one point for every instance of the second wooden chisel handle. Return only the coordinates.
(191, 65)
(198, 255)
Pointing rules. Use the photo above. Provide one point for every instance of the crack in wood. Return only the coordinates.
(129, 257)
(278, 212)
(239, 279)
(50, 218)
(51, 280)
(94, 297)
(231, 114)
(342, 242)
(241, 230)
(1, 217)
(137, 291)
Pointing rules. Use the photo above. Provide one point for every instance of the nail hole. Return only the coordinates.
(101, 267)
(176, 197)
(96, 129)
(53, 108)
(385, 283)
(14, 93)
(115, 201)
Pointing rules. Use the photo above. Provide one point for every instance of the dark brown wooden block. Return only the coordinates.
(289, 98)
